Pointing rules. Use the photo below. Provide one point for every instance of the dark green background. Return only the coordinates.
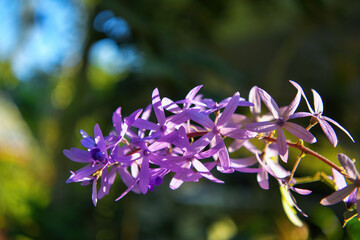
(227, 46)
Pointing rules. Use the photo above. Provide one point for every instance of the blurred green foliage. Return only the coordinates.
(227, 46)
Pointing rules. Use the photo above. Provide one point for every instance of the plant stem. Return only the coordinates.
(312, 153)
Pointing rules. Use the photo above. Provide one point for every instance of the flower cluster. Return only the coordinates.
(185, 141)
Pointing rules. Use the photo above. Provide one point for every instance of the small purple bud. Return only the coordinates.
(146, 152)
(163, 128)
(158, 181)
(97, 154)
(280, 122)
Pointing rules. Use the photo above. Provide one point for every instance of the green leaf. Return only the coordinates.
(349, 215)
(288, 205)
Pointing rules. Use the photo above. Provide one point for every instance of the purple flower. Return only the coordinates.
(97, 159)
(190, 158)
(317, 115)
(281, 121)
(218, 129)
(347, 193)
(160, 128)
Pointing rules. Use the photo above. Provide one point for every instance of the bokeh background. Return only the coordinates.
(68, 64)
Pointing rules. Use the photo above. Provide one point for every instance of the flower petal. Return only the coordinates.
(202, 142)
(338, 196)
(269, 102)
(94, 192)
(282, 145)
(145, 124)
(300, 115)
(229, 109)
(349, 166)
(329, 132)
(200, 118)
(303, 94)
(78, 155)
(292, 106)
(176, 181)
(339, 126)
(158, 109)
(318, 103)
(242, 162)
(170, 106)
(204, 171)
(84, 173)
(237, 133)
(144, 176)
(223, 153)
(261, 127)
(263, 179)
(255, 99)
(339, 179)
(300, 132)
(99, 138)
(117, 121)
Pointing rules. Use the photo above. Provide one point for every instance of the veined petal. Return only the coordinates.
(255, 99)
(293, 106)
(83, 173)
(104, 187)
(204, 171)
(144, 176)
(300, 115)
(145, 124)
(329, 132)
(99, 139)
(282, 145)
(318, 103)
(301, 191)
(191, 95)
(263, 179)
(223, 153)
(248, 170)
(237, 133)
(178, 119)
(94, 192)
(117, 121)
(176, 181)
(163, 141)
(299, 132)
(147, 112)
(78, 155)
(158, 109)
(339, 179)
(133, 116)
(208, 153)
(269, 102)
(170, 106)
(242, 162)
(235, 145)
(200, 118)
(128, 180)
(303, 94)
(244, 103)
(273, 168)
(338, 196)
(132, 187)
(339, 126)
(261, 127)
(181, 141)
(202, 142)
(349, 166)
(229, 109)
